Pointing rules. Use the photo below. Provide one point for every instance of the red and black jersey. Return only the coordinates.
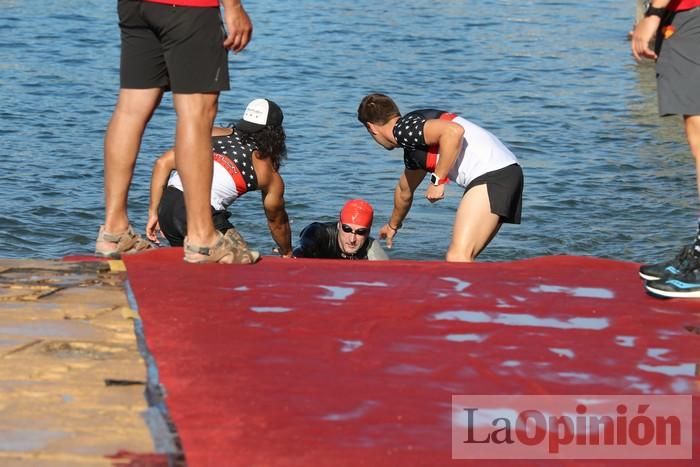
(235, 153)
(408, 132)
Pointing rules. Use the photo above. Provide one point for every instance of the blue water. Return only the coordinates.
(604, 175)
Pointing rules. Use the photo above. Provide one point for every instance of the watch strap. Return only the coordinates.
(654, 11)
(438, 181)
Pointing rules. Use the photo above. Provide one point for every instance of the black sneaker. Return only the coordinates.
(684, 285)
(655, 272)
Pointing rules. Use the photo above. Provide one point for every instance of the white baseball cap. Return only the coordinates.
(259, 114)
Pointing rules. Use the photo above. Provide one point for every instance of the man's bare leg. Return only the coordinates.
(121, 147)
(193, 157)
(475, 226)
(692, 132)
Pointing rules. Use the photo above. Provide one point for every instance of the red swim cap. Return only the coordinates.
(358, 212)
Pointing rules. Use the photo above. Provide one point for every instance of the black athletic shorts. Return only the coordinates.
(505, 189)
(172, 217)
(172, 47)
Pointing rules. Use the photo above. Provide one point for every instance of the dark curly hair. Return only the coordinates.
(270, 142)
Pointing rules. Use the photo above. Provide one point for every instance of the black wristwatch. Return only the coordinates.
(653, 11)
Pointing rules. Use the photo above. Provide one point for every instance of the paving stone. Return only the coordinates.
(72, 380)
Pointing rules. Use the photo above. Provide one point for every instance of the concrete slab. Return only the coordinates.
(72, 380)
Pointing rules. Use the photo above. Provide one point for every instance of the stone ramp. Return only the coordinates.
(72, 380)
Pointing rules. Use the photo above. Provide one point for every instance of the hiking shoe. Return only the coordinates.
(684, 285)
(686, 259)
(225, 251)
(113, 246)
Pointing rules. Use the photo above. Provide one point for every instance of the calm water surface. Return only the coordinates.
(604, 175)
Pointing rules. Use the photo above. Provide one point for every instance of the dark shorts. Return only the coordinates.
(678, 65)
(172, 217)
(172, 47)
(505, 189)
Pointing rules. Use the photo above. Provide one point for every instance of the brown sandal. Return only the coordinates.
(237, 238)
(225, 251)
(113, 246)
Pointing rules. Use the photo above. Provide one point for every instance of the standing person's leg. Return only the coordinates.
(475, 226)
(142, 77)
(121, 147)
(193, 156)
(689, 254)
(692, 132)
(677, 76)
(680, 277)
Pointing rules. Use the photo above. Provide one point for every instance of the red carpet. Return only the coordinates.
(325, 363)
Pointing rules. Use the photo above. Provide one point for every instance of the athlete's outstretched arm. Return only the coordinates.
(159, 178)
(277, 218)
(403, 200)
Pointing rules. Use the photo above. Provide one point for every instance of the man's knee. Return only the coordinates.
(138, 103)
(196, 106)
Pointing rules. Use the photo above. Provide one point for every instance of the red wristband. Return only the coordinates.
(438, 181)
